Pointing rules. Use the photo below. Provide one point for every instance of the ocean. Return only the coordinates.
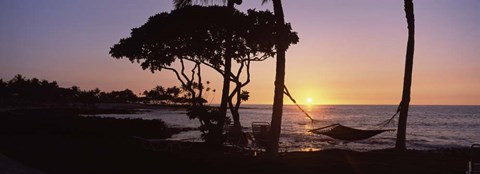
(428, 127)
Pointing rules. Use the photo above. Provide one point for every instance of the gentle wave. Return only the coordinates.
(428, 127)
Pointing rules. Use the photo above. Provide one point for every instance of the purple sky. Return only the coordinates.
(350, 51)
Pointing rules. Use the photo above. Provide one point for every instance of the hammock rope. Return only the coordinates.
(387, 122)
(286, 92)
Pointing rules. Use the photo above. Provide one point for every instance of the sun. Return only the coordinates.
(309, 100)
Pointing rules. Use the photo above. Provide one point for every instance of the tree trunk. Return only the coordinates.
(400, 144)
(228, 69)
(276, 123)
(234, 108)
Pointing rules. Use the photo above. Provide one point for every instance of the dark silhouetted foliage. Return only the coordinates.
(68, 122)
(171, 95)
(199, 35)
(20, 91)
(209, 118)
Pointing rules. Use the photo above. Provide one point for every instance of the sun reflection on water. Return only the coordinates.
(309, 149)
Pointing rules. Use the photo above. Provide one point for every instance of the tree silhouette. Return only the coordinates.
(166, 38)
(281, 47)
(407, 81)
(199, 35)
(228, 55)
(20, 91)
(3, 91)
(161, 95)
(260, 39)
(125, 96)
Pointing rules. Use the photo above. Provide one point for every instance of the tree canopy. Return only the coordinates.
(198, 34)
(207, 36)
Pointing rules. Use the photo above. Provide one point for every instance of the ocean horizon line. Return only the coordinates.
(250, 104)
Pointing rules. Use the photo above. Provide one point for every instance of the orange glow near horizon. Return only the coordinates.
(350, 52)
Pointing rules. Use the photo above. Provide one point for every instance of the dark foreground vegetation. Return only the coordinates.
(60, 141)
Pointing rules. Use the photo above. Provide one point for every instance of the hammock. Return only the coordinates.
(341, 132)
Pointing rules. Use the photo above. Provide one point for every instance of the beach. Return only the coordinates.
(51, 147)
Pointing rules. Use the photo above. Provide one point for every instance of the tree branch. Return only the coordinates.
(248, 74)
(176, 73)
(200, 85)
(183, 71)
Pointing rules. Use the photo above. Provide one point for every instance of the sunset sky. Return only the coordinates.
(350, 51)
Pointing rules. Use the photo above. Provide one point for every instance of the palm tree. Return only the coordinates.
(407, 79)
(228, 53)
(281, 47)
(185, 3)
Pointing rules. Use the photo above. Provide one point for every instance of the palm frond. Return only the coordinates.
(185, 3)
(182, 3)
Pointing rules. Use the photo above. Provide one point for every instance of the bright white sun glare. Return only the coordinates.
(309, 100)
